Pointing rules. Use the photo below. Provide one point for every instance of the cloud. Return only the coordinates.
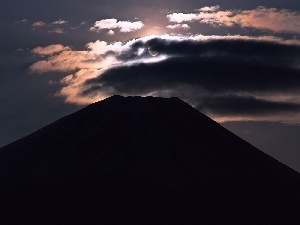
(65, 61)
(178, 26)
(210, 8)
(227, 77)
(270, 19)
(234, 105)
(57, 31)
(39, 24)
(123, 26)
(209, 15)
(20, 50)
(49, 50)
(110, 32)
(230, 79)
(60, 22)
(78, 65)
(73, 85)
(262, 18)
(22, 21)
(182, 17)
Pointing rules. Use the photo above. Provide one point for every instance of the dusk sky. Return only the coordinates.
(236, 61)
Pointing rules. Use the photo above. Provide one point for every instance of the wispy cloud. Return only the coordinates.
(178, 26)
(110, 32)
(96, 56)
(182, 17)
(81, 65)
(20, 50)
(270, 19)
(57, 31)
(211, 15)
(123, 26)
(22, 21)
(50, 49)
(263, 18)
(39, 24)
(60, 22)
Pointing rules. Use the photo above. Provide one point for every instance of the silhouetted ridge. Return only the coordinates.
(143, 160)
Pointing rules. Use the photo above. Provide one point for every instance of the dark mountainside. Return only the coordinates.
(143, 161)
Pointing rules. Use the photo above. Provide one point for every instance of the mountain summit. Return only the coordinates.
(143, 160)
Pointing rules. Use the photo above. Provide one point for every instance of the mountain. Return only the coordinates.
(143, 160)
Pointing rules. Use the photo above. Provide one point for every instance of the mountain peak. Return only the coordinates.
(143, 160)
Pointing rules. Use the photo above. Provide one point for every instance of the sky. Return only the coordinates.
(236, 61)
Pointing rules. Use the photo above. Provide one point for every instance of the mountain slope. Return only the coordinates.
(143, 160)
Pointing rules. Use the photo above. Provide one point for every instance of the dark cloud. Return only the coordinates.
(256, 51)
(244, 105)
(213, 73)
(235, 74)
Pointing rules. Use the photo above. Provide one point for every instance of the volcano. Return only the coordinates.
(143, 160)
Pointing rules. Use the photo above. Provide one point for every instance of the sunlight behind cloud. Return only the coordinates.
(101, 57)
(218, 74)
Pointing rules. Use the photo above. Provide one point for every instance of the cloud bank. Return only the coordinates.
(230, 78)
(262, 18)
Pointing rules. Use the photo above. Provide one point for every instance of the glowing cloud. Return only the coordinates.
(83, 65)
(57, 31)
(269, 19)
(60, 22)
(123, 26)
(73, 85)
(39, 24)
(206, 71)
(262, 18)
(181, 17)
(49, 50)
(178, 26)
(210, 8)
(110, 32)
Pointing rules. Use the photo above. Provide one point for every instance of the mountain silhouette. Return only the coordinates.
(143, 160)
